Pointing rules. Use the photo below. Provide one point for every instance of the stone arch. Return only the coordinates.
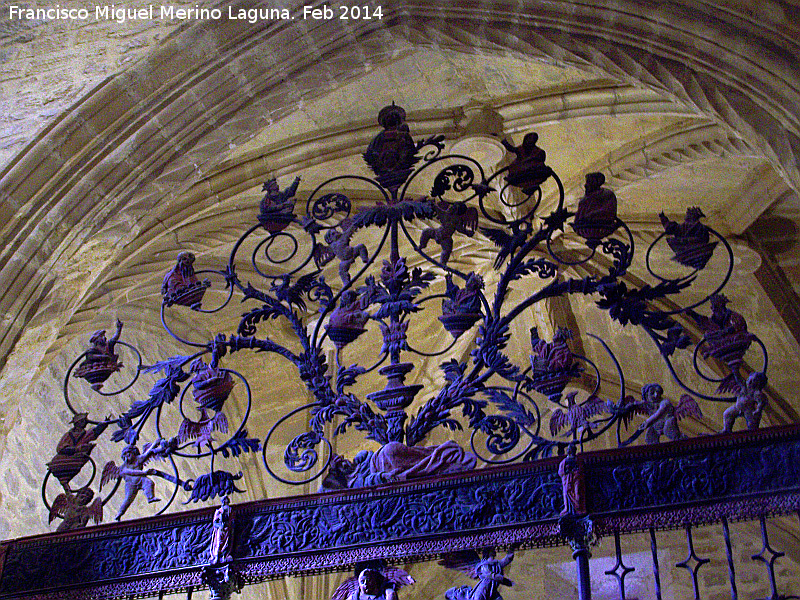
(152, 131)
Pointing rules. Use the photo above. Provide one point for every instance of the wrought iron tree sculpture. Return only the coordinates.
(501, 401)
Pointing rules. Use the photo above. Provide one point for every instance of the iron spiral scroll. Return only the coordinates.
(341, 268)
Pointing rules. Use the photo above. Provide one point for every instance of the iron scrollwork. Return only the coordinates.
(328, 281)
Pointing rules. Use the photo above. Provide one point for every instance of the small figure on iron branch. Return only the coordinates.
(554, 355)
(466, 300)
(132, 473)
(221, 534)
(100, 361)
(663, 414)
(552, 363)
(76, 509)
(392, 153)
(276, 209)
(348, 319)
(373, 584)
(528, 170)
(74, 448)
(690, 240)
(750, 403)
(350, 312)
(461, 307)
(489, 571)
(596, 216)
(571, 472)
(211, 387)
(455, 217)
(181, 286)
(338, 246)
(726, 338)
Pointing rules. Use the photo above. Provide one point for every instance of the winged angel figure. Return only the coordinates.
(663, 415)
(487, 570)
(373, 584)
(76, 508)
(132, 473)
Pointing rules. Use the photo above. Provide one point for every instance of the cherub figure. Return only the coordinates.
(338, 240)
(487, 570)
(131, 472)
(220, 549)
(664, 415)
(528, 170)
(571, 472)
(689, 240)
(277, 207)
(750, 403)
(74, 448)
(373, 584)
(453, 217)
(100, 361)
(181, 286)
(75, 509)
(596, 216)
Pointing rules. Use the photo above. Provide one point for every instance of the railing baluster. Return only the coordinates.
(729, 550)
(656, 574)
(773, 556)
(699, 562)
(620, 570)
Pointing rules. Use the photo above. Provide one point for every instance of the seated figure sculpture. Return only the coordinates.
(528, 170)
(690, 240)
(101, 361)
(596, 216)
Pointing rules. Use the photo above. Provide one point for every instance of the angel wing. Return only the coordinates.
(343, 592)
(630, 407)
(110, 471)
(322, 255)
(500, 238)
(59, 507)
(397, 577)
(465, 561)
(95, 510)
(558, 421)
(687, 407)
